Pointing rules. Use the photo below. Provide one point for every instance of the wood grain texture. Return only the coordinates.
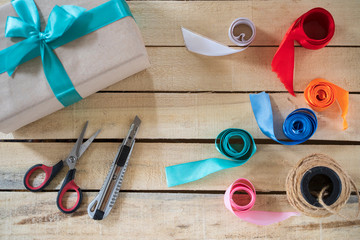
(176, 69)
(180, 116)
(160, 21)
(160, 216)
(267, 169)
(170, 116)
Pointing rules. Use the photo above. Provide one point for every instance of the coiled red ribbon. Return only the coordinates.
(313, 30)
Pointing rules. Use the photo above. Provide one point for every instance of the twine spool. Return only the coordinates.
(328, 166)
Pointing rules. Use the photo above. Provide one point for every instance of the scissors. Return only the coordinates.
(68, 183)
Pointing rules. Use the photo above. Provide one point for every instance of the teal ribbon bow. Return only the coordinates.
(227, 143)
(65, 24)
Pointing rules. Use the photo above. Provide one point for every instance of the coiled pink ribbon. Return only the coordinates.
(243, 211)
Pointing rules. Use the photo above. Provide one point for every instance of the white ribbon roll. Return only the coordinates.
(196, 43)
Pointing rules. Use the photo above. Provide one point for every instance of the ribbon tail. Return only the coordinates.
(192, 171)
(16, 54)
(345, 124)
(263, 218)
(57, 77)
(205, 46)
(342, 97)
(3, 55)
(283, 63)
(262, 110)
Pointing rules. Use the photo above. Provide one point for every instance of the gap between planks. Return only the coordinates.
(221, 192)
(246, 72)
(251, 46)
(180, 116)
(160, 21)
(174, 140)
(161, 216)
(146, 170)
(163, 191)
(213, 92)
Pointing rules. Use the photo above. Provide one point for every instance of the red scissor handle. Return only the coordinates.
(50, 173)
(68, 185)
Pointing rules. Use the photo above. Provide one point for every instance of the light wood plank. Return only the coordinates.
(183, 115)
(160, 216)
(146, 169)
(176, 69)
(160, 22)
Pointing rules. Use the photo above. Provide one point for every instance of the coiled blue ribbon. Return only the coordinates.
(298, 126)
(239, 153)
(65, 24)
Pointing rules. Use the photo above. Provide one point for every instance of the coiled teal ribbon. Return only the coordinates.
(298, 126)
(65, 24)
(239, 153)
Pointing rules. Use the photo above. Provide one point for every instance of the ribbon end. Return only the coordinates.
(287, 82)
(283, 63)
(290, 90)
(345, 124)
(11, 72)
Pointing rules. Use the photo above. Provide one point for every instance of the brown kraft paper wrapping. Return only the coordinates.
(93, 62)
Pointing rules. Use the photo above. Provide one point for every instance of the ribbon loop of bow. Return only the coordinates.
(28, 26)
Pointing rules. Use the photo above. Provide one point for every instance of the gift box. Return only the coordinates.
(100, 58)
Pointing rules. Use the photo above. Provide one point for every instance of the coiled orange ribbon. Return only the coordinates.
(321, 94)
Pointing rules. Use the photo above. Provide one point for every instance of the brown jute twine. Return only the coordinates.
(296, 199)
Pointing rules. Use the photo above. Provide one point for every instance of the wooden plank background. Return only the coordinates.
(185, 100)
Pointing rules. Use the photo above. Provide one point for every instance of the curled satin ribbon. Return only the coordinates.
(313, 30)
(65, 24)
(298, 126)
(205, 46)
(321, 94)
(243, 211)
(239, 153)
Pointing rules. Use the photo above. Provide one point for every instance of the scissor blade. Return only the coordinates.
(86, 144)
(75, 151)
